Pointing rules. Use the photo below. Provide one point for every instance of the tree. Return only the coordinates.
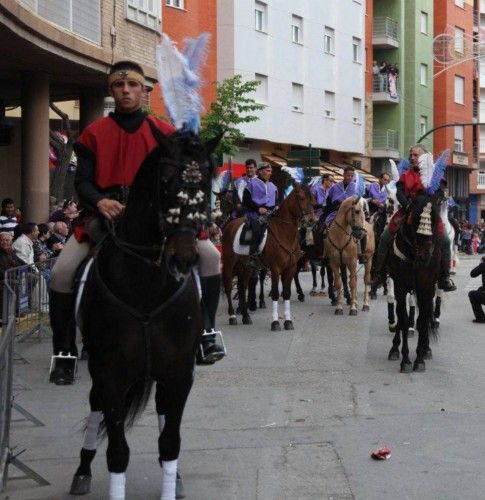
(231, 108)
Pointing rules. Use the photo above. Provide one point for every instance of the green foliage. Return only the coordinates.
(231, 108)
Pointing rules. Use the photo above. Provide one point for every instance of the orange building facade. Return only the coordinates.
(188, 20)
(455, 91)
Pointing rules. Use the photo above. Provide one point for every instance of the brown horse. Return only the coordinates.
(341, 249)
(280, 255)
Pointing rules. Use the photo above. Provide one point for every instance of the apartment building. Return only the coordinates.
(309, 58)
(59, 51)
(402, 39)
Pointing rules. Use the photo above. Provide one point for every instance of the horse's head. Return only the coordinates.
(300, 202)
(170, 191)
(420, 227)
(353, 210)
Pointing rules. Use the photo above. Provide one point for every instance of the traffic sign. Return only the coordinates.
(304, 153)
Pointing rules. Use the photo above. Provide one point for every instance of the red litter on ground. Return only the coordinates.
(383, 453)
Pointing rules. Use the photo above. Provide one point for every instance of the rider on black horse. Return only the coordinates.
(110, 152)
(376, 194)
(408, 186)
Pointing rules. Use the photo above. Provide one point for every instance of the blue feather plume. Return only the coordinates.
(196, 51)
(296, 173)
(221, 182)
(180, 83)
(403, 166)
(288, 191)
(359, 185)
(438, 172)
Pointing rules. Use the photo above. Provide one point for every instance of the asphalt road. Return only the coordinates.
(290, 415)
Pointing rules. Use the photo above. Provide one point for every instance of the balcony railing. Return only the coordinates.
(383, 91)
(385, 139)
(385, 27)
(481, 180)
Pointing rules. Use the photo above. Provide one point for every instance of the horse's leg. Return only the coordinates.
(331, 287)
(373, 288)
(437, 308)
(313, 267)
(286, 281)
(402, 326)
(81, 482)
(353, 289)
(338, 289)
(227, 270)
(161, 405)
(423, 324)
(242, 284)
(412, 313)
(322, 276)
(262, 277)
(275, 278)
(367, 283)
(391, 318)
(253, 283)
(343, 273)
(299, 290)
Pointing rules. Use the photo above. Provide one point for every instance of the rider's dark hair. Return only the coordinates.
(121, 65)
(349, 168)
(251, 161)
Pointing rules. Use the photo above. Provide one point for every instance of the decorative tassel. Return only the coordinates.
(425, 227)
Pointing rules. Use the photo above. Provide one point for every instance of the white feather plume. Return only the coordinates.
(394, 170)
(426, 166)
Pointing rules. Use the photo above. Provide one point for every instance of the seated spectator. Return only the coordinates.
(477, 297)
(58, 238)
(41, 250)
(23, 246)
(8, 259)
(66, 214)
(8, 219)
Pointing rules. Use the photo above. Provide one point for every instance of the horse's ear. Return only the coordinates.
(211, 144)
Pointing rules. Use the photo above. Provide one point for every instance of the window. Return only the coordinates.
(423, 74)
(356, 49)
(459, 90)
(329, 104)
(261, 92)
(260, 16)
(460, 3)
(297, 97)
(145, 12)
(424, 23)
(179, 4)
(357, 110)
(296, 29)
(423, 125)
(459, 40)
(329, 40)
(459, 138)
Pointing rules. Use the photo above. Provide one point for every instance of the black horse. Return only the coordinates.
(140, 313)
(414, 264)
(379, 221)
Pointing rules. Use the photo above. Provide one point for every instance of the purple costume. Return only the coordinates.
(336, 195)
(375, 193)
(240, 185)
(320, 194)
(263, 194)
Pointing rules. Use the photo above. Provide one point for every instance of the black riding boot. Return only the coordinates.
(209, 351)
(380, 274)
(445, 283)
(363, 246)
(61, 311)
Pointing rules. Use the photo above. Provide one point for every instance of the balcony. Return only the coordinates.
(481, 180)
(381, 92)
(385, 144)
(385, 33)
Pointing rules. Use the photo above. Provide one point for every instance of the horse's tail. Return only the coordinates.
(136, 400)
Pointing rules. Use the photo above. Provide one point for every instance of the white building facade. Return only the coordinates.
(309, 56)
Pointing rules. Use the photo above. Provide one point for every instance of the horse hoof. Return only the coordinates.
(301, 297)
(373, 296)
(288, 325)
(393, 355)
(353, 312)
(365, 308)
(339, 312)
(252, 306)
(410, 332)
(419, 367)
(275, 326)
(334, 302)
(81, 485)
(406, 367)
(428, 354)
(262, 304)
(247, 321)
(392, 328)
(233, 321)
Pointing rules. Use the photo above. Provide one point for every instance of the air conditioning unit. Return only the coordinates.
(328, 113)
(355, 119)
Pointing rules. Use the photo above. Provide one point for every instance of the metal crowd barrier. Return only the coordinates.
(25, 312)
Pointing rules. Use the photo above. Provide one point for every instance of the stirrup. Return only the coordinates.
(212, 357)
(64, 361)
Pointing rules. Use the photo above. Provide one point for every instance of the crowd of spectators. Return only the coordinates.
(30, 243)
(386, 75)
(471, 237)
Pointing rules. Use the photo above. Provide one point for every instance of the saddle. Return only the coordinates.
(246, 234)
